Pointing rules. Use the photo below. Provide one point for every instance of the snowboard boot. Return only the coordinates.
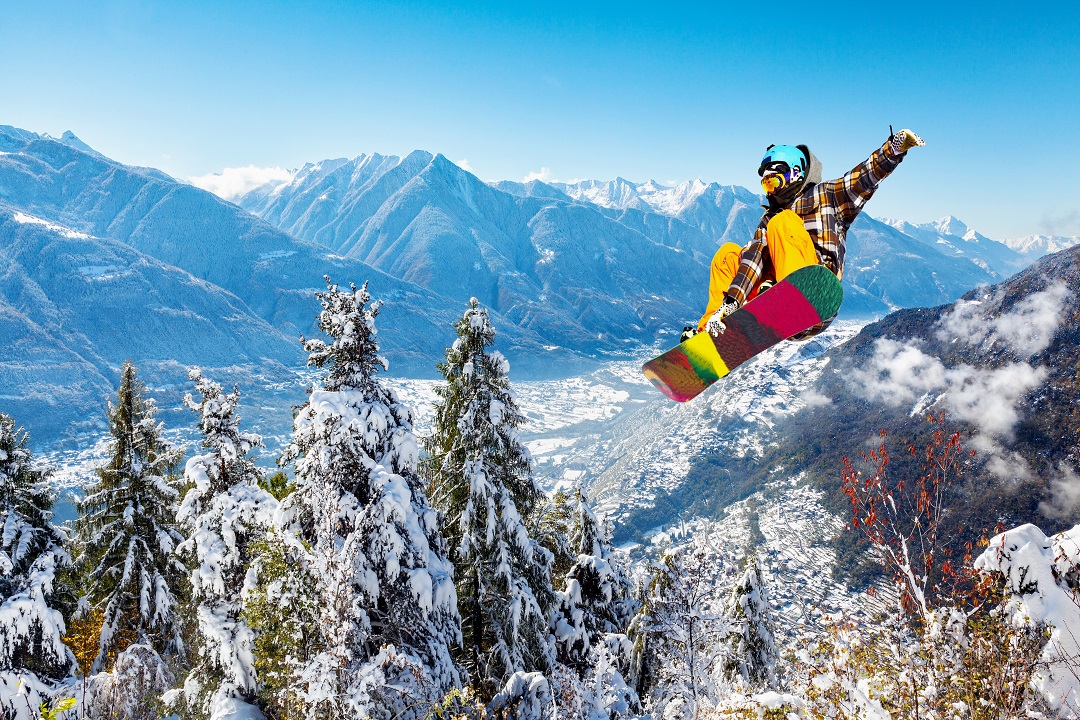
(687, 332)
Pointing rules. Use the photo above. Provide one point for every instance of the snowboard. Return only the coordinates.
(795, 304)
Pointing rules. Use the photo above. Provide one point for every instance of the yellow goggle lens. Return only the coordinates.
(772, 183)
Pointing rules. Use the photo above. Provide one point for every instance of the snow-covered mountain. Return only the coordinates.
(1034, 247)
(571, 274)
(73, 307)
(105, 262)
(622, 194)
(272, 272)
(542, 253)
(952, 237)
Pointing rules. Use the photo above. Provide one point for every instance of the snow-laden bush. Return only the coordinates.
(22, 693)
(681, 634)
(595, 600)
(950, 646)
(754, 656)
(132, 690)
(525, 696)
(1042, 578)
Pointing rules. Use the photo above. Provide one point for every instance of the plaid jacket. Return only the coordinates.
(827, 210)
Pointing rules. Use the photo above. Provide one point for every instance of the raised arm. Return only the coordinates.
(849, 193)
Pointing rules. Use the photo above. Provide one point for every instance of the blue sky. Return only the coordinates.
(667, 91)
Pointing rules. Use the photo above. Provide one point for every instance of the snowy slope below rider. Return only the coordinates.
(805, 223)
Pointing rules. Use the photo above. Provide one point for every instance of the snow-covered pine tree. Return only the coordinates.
(361, 524)
(552, 525)
(596, 599)
(222, 514)
(754, 657)
(481, 475)
(127, 532)
(31, 552)
(681, 633)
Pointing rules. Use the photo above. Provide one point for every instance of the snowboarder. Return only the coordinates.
(804, 224)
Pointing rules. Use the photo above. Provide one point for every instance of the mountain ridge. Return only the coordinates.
(412, 225)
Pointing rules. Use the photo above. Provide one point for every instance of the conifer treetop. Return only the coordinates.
(218, 421)
(360, 529)
(469, 359)
(223, 513)
(25, 502)
(353, 416)
(352, 355)
(481, 477)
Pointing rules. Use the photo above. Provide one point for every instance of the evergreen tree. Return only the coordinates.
(596, 600)
(553, 526)
(127, 532)
(31, 554)
(223, 513)
(754, 655)
(365, 533)
(681, 633)
(481, 475)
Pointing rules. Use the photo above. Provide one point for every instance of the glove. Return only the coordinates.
(715, 324)
(903, 141)
(687, 332)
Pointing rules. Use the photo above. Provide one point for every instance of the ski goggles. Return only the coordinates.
(772, 183)
(778, 176)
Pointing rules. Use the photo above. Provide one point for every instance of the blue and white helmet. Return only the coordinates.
(790, 155)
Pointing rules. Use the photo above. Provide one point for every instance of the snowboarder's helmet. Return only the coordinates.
(781, 166)
(790, 155)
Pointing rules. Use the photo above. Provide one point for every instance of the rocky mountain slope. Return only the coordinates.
(73, 307)
(1001, 364)
(573, 275)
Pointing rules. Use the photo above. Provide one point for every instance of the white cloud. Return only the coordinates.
(964, 322)
(1008, 466)
(231, 183)
(988, 399)
(463, 163)
(545, 175)
(1027, 330)
(1064, 501)
(1030, 327)
(899, 374)
(813, 398)
(902, 374)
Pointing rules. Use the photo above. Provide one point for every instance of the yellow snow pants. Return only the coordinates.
(789, 246)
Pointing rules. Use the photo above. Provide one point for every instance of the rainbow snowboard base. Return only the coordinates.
(797, 303)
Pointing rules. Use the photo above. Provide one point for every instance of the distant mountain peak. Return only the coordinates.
(950, 225)
(1036, 246)
(71, 140)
